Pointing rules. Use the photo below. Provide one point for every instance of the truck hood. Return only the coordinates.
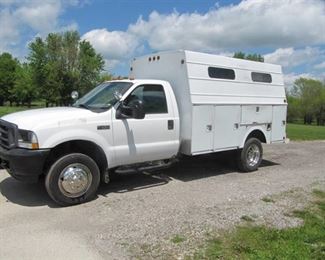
(51, 117)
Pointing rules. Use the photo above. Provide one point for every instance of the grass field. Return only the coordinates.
(260, 242)
(305, 132)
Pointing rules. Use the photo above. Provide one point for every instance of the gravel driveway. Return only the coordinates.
(137, 215)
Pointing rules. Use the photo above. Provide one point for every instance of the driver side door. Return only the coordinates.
(152, 138)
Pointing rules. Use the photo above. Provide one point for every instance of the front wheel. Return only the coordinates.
(250, 157)
(72, 179)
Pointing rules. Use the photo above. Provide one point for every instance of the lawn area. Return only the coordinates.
(305, 132)
(260, 242)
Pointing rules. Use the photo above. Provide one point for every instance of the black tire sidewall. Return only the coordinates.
(52, 177)
(242, 156)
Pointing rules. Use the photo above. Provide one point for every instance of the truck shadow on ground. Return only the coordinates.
(24, 194)
(188, 169)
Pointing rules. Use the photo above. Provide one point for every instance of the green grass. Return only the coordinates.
(268, 200)
(260, 242)
(305, 132)
(247, 218)
(178, 239)
(4, 110)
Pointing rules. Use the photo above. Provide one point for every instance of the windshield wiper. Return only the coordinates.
(83, 106)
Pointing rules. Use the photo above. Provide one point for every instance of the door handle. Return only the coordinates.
(170, 124)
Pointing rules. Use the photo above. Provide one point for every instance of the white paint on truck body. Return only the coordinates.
(218, 114)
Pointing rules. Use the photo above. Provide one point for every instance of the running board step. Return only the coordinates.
(153, 166)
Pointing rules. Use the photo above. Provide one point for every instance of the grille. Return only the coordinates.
(8, 134)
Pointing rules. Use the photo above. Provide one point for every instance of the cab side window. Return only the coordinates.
(152, 96)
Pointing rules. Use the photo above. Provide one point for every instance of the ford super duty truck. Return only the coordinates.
(174, 103)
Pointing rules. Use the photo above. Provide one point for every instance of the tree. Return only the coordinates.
(62, 63)
(24, 90)
(294, 109)
(253, 57)
(38, 62)
(90, 66)
(8, 66)
(105, 77)
(311, 95)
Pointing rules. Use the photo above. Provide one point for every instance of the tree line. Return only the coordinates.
(306, 101)
(54, 67)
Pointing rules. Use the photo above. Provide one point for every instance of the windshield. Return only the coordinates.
(103, 96)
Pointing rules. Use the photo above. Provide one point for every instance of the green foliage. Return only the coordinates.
(307, 100)
(24, 90)
(105, 77)
(253, 57)
(259, 242)
(305, 132)
(8, 67)
(62, 63)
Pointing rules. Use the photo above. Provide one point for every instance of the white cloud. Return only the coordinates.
(290, 57)
(114, 44)
(320, 65)
(39, 16)
(251, 23)
(290, 78)
(8, 34)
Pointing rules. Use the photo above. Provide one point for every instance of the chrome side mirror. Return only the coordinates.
(74, 95)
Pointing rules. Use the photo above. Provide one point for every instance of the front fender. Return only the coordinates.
(53, 139)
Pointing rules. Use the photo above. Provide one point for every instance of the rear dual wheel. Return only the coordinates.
(250, 157)
(73, 179)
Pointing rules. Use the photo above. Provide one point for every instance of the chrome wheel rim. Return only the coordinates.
(75, 180)
(253, 155)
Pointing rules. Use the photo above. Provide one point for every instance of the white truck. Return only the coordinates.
(174, 103)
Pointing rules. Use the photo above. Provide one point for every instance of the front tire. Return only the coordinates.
(72, 179)
(250, 157)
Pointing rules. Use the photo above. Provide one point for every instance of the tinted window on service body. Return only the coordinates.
(221, 73)
(261, 77)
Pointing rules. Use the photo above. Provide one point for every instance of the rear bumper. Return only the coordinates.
(23, 164)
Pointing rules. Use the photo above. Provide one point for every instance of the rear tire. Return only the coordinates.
(72, 179)
(250, 157)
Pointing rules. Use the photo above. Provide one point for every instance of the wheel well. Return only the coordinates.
(257, 134)
(77, 146)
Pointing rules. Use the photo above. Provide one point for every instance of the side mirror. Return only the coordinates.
(137, 109)
(133, 110)
(74, 95)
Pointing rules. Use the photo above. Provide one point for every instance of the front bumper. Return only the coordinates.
(23, 164)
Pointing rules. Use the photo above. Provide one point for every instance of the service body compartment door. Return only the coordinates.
(202, 128)
(252, 114)
(279, 123)
(226, 130)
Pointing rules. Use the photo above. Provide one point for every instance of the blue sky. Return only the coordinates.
(286, 32)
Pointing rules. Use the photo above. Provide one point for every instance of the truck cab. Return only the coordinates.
(117, 123)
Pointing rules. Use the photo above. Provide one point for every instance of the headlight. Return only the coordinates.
(27, 139)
